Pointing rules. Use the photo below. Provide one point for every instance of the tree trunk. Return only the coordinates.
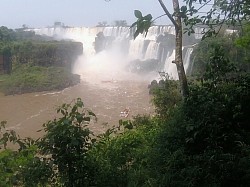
(178, 50)
(179, 62)
(178, 42)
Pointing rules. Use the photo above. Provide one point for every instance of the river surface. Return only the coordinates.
(106, 98)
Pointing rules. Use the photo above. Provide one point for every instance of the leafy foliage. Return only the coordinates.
(231, 13)
(6, 135)
(121, 155)
(47, 53)
(206, 138)
(166, 96)
(229, 43)
(58, 158)
(12, 163)
(28, 78)
(66, 142)
(142, 24)
(13, 167)
(243, 42)
(6, 34)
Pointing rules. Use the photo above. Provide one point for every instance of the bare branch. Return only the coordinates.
(167, 13)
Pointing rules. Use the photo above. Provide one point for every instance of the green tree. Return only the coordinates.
(6, 34)
(204, 141)
(144, 22)
(243, 42)
(102, 24)
(66, 143)
(121, 154)
(221, 12)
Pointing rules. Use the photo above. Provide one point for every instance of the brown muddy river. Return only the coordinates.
(27, 112)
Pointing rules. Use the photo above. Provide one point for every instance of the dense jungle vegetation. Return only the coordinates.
(36, 63)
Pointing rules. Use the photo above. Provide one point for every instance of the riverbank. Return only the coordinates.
(29, 78)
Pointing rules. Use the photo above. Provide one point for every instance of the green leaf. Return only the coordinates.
(148, 17)
(183, 8)
(138, 14)
(134, 24)
(79, 118)
(128, 126)
(79, 103)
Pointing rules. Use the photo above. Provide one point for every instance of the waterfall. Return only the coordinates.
(152, 51)
(186, 60)
(82, 34)
(136, 49)
(158, 44)
(170, 67)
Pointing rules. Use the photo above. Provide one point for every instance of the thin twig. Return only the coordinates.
(159, 17)
(204, 5)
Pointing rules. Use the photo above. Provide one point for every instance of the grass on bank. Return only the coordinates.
(29, 78)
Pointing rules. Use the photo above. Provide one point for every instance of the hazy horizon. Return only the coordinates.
(75, 13)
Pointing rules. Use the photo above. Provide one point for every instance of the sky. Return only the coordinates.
(75, 13)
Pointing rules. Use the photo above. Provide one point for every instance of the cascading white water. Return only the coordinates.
(85, 35)
(136, 48)
(186, 60)
(117, 32)
(152, 51)
(142, 47)
(170, 67)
